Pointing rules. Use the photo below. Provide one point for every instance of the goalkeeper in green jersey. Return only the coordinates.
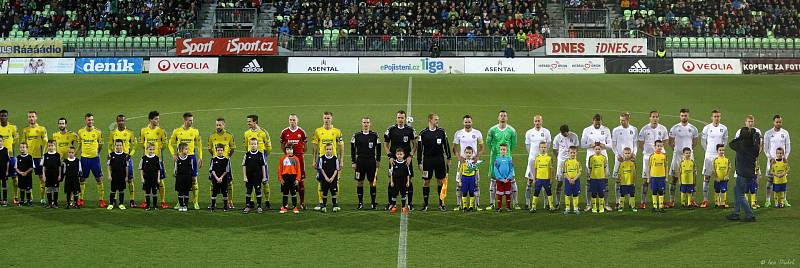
(502, 133)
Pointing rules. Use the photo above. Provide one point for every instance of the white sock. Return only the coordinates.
(705, 190)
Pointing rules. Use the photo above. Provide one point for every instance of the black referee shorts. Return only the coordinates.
(365, 169)
(434, 167)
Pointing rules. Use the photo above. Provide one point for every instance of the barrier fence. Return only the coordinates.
(399, 65)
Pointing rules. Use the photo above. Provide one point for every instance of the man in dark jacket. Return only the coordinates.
(747, 149)
(509, 52)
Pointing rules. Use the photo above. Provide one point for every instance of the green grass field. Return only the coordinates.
(36, 237)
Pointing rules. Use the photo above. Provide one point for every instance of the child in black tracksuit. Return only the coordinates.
(51, 164)
(118, 168)
(254, 167)
(71, 177)
(183, 177)
(400, 172)
(24, 169)
(150, 167)
(219, 170)
(328, 177)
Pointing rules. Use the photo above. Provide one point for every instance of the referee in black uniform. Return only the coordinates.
(365, 154)
(401, 136)
(432, 148)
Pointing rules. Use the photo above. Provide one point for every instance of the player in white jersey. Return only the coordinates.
(533, 137)
(648, 135)
(561, 144)
(776, 137)
(468, 137)
(623, 136)
(681, 135)
(592, 134)
(713, 134)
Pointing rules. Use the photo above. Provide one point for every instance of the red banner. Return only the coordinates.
(226, 46)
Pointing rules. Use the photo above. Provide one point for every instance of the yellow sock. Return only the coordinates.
(230, 192)
(319, 192)
(724, 198)
(195, 191)
(15, 189)
(265, 188)
(594, 203)
(660, 201)
(465, 202)
(83, 190)
(471, 202)
(161, 194)
(689, 199)
(781, 197)
(41, 190)
(655, 201)
(131, 190)
(752, 199)
(101, 190)
(683, 197)
(534, 201)
(551, 202)
(575, 202)
(567, 200)
(632, 201)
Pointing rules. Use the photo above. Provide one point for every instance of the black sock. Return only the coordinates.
(373, 191)
(285, 200)
(111, 198)
(121, 198)
(29, 195)
(154, 201)
(258, 199)
(55, 198)
(426, 192)
(410, 194)
(294, 200)
(360, 192)
(214, 202)
(249, 201)
(438, 193)
(225, 199)
(333, 198)
(389, 193)
(49, 198)
(324, 200)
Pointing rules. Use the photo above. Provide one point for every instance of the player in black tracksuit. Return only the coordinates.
(365, 155)
(150, 167)
(71, 177)
(254, 168)
(24, 168)
(401, 136)
(118, 167)
(328, 169)
(400, 173)
(51, 162)
(432, 148)
(183, 176)
(220, 171)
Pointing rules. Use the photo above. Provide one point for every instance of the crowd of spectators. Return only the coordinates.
(516, 19)
(718, 18)
(45, 18)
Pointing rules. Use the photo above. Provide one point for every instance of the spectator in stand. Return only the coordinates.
(509, 52)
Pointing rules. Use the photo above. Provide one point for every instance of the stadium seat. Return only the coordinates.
(694, 43)
(668, 42)
(170, 41)
(137, 42)
(684, 42)
(309, 41)
(757, 42)
(153, 41)
(127, 42)
(726, 42)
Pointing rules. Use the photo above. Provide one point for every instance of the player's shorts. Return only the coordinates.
(540, 184)
(752, 187)
(467, 184)
(503, 187)
(646, 165)
(329, 186)
(130, 169)
(183, 184)
(365, 169)
(572, 189)
(72, 185)
(51, 179)
(194, 165)
(560, 169)
(92, 165)
(37, 166)
(597, 186)
(118, 184)
(708, 165)
(150, 183)
(219, 188)
(721, 186)
(25, 182)
(434, 167)
(627, 190)
(658, 184)
(12, 165)
(687, 188)
(779, 187)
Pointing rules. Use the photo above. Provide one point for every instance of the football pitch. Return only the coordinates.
(92, 237)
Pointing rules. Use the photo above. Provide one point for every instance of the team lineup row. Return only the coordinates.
(71, 158)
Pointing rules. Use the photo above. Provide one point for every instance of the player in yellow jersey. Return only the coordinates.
(541, 176)
(658, 175)
(780, 172)
(153, 134)
(598, 164)
(36, 138)
(122, 132)
(64, 138)
(191, 136)
(91, 140)
(10, 136)
(722, 168)
(254, 131)
(627, 171)
(326, 134)
(572, 171)
(222, 137)
(687, 174)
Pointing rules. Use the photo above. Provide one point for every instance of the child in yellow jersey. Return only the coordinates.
(627, 189)
(572, 172)
(722, 167)
(780, 170)
(658, 175)
(687, 178)
(541, 174)
(597, 178)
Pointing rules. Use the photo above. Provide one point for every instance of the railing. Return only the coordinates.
(236, 15)
(579, 17)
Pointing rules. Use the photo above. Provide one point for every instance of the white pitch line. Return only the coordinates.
(402, 241)
(408, 102)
